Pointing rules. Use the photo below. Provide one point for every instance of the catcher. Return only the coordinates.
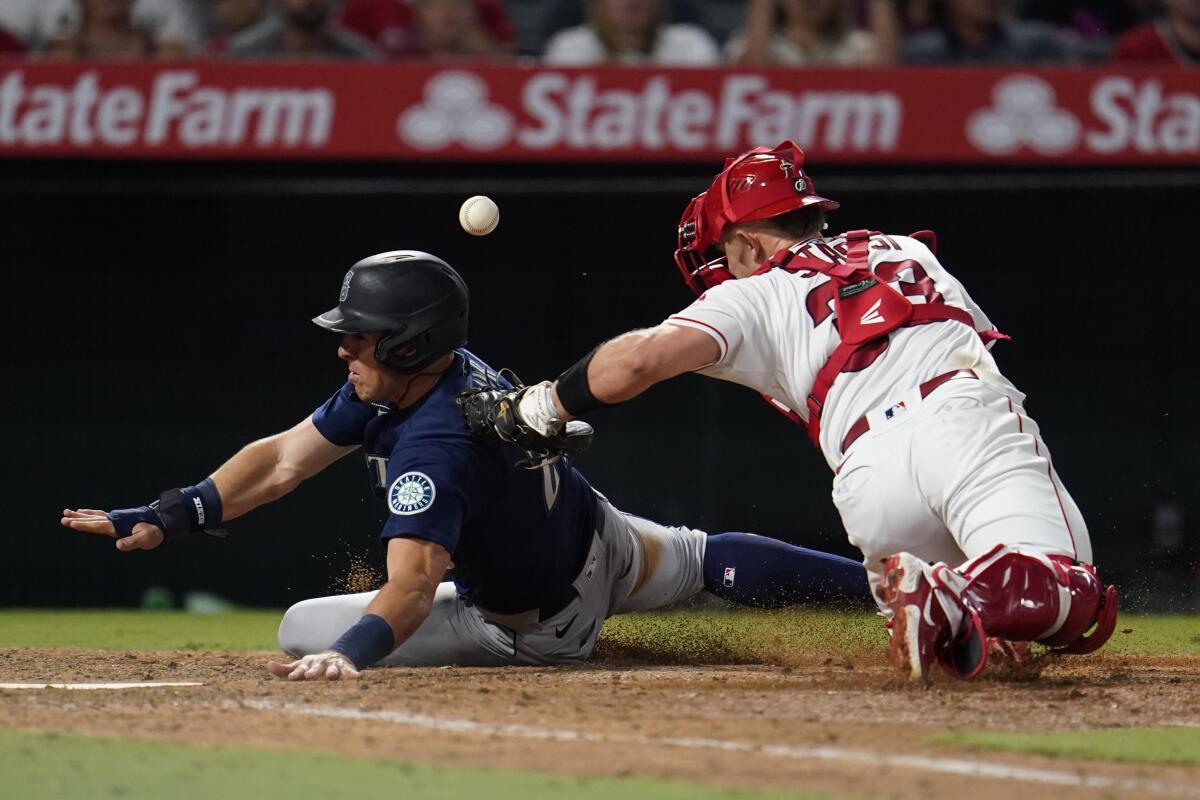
(941, 478)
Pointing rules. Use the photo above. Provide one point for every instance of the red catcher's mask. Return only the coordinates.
(760, 183)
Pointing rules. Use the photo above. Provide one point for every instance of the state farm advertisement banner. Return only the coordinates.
(431, 112)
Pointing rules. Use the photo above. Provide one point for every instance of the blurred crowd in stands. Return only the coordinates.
(585, 32)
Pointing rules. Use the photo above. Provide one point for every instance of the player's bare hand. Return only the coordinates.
(144, 536)
(327, 666)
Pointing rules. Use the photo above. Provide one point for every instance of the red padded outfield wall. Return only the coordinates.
(430, 112)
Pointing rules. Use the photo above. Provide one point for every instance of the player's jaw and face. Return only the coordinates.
(372, 382)
(375, 383)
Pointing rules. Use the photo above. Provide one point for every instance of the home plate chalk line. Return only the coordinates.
(134, 685)
(948, 766)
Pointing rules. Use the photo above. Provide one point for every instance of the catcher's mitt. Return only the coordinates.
(494, 413)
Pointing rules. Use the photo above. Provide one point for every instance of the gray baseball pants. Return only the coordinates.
(633, 565)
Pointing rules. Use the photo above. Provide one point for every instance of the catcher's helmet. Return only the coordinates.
(415, 299)
(758, 184)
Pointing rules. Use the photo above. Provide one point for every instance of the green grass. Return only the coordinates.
(741, 636)
(69, 766)
(675, 636)
(1129, 745)
(1156, 634)
(140, 630)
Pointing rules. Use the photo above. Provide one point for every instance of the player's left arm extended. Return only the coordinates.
(415, 568)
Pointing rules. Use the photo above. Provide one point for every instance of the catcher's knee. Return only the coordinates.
(1091, 614)
(1030, 596)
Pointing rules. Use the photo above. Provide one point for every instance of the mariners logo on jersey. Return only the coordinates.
(411, 493)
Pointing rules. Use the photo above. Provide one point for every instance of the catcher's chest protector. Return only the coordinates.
(867, 310)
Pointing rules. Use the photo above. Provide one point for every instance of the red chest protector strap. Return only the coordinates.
(867, 310)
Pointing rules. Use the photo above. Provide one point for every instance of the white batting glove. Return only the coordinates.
(327, 666)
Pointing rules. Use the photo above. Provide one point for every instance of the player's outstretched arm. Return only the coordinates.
(260, 472)
(415, 568)
(269, 468)
(616, 371)
(624, 367)
(536, 417)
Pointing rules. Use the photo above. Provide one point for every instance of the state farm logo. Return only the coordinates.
(1123, 115)
(177, 109)
(1023, 114)
(578, 112)
(456, 111)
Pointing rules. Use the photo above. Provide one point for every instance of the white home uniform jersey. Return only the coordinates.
(947, 477)
(776, 330)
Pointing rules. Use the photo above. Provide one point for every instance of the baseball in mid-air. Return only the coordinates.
(479, 215)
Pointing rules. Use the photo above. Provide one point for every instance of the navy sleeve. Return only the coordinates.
(432, 488)
(342, 418)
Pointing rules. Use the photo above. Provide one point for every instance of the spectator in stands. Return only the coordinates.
(30, 25)
(558, 15)
(981, 32)
(299, 29)
(1099, 18)
(454, 29)
(432, 28)
(114, 29)
(1095, 22)
(799, 32)
(1174, 38)
(915, 14)
(231, 17)
(631, 32)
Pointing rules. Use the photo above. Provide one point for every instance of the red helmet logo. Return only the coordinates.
(758, 184)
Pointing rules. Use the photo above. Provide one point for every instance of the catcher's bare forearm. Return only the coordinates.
(624, 367)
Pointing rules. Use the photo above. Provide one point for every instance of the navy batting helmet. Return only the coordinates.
(415, 299)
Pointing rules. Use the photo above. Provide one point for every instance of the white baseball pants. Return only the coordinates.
(949, 477)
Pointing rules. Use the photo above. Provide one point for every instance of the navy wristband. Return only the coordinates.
(190, 509)
(178, 513)
(367, 641)
(573, 389)
(204, 507)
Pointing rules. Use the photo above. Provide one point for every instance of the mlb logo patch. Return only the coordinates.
(895, 410)
(730, 572)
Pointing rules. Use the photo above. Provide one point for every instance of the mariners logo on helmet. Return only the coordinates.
(411, 493)
(346, 286)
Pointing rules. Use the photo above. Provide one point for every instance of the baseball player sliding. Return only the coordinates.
(539, 558)
(942, 480)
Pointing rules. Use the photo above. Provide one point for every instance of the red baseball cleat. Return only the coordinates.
(920, 630)
(929, 621)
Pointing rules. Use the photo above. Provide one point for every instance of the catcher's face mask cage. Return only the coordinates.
(693, 246)
(761, 183)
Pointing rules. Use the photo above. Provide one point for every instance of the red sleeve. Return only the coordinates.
(1144, 44)
(372, 18)
(10, 43)
(495, 19)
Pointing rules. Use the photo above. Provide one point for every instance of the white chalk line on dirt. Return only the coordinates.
(75, 686)
(947, 766)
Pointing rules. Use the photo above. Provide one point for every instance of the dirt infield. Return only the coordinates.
(813, 724)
